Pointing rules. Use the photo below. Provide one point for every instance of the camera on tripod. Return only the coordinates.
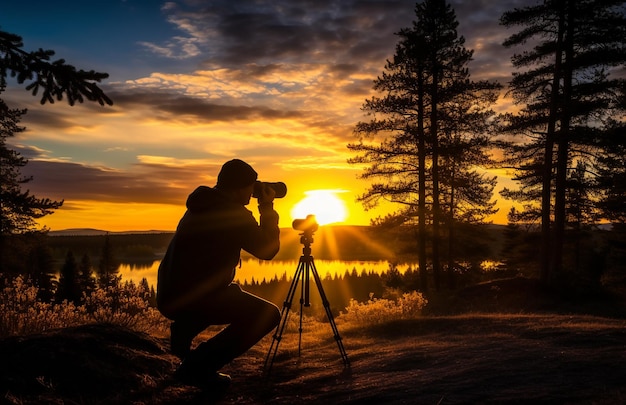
(304, 271)
(307, 225)
(279, 188)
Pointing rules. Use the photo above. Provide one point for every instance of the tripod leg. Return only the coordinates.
(329, 314)
(271, 354)
(303, 300)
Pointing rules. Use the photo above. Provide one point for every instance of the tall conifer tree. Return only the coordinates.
(68, 287)
(567, 96)
(18, 208)
(108, 267)
(404, 146)
(86, 279)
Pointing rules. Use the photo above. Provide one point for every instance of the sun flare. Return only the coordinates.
(324, 204)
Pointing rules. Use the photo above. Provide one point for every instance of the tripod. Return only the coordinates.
(306, 266)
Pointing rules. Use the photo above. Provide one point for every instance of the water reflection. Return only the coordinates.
(259, 270)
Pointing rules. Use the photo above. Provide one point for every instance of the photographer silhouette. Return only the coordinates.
(195, 281)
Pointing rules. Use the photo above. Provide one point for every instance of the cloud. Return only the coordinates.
(234, 33)
(28, 151)
(163, 181)
(305, 55)
(279, 83)
(176, 48)
(200, 110)
(308, 61)
(242, 32)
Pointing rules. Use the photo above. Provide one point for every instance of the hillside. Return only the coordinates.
(558, 356)
(440, 360)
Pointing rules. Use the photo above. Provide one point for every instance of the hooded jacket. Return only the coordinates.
(205, 250)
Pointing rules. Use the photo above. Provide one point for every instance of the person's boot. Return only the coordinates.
(199, 368)
(191, 373)
(180, 340)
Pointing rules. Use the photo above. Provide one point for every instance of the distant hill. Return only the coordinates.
(329, 242)
(97, 232)
(339, 242)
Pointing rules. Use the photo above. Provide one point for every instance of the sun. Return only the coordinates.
(324, 204)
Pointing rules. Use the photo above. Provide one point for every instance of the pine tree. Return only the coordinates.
(148, 292)
(68, 287)
(85, 278)
(18, 209)
(466, 191)
(108, 266)
(611, 169)
(428, 103)
(567, 97)
(41, 270)
(55, 80)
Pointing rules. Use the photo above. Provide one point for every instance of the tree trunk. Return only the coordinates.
(436, 214)
(421, 208)
(546, 191)
(450, 271)
(563, 147)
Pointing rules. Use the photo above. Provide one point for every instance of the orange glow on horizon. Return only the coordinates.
(331, 206)
(114, 217)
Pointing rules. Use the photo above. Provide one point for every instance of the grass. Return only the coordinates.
(547, 353)
(477, 358)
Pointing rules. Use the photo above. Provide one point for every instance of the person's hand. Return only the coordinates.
(267, 194)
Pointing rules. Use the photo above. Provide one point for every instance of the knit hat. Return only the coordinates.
(236, 174)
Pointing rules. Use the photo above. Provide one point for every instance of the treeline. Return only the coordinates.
(77, 276)
(72, 267)
(345, 242)
(55, 263)
(139, 246)
(341, 242)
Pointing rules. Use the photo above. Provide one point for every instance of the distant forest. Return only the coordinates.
(510, 250)
(329, 243)
(349, 243)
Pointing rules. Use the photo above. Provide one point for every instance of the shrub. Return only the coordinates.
(379, 310)
(21, 312)
(125, 305)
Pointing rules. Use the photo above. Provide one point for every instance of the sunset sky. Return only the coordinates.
(195, 83)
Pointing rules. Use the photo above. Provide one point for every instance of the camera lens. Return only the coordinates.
(280, 188)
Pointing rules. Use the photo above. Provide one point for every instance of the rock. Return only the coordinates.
(97, 361)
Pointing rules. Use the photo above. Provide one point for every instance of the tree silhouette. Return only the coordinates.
(85, 277)
(68, 287)
(41, 269)
(147, 292)
(56, 79)
(108, 266)
(568, 98)
(611, 169)
(429, 113)
(18, 208)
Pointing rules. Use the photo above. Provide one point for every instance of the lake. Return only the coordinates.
(260, 270)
